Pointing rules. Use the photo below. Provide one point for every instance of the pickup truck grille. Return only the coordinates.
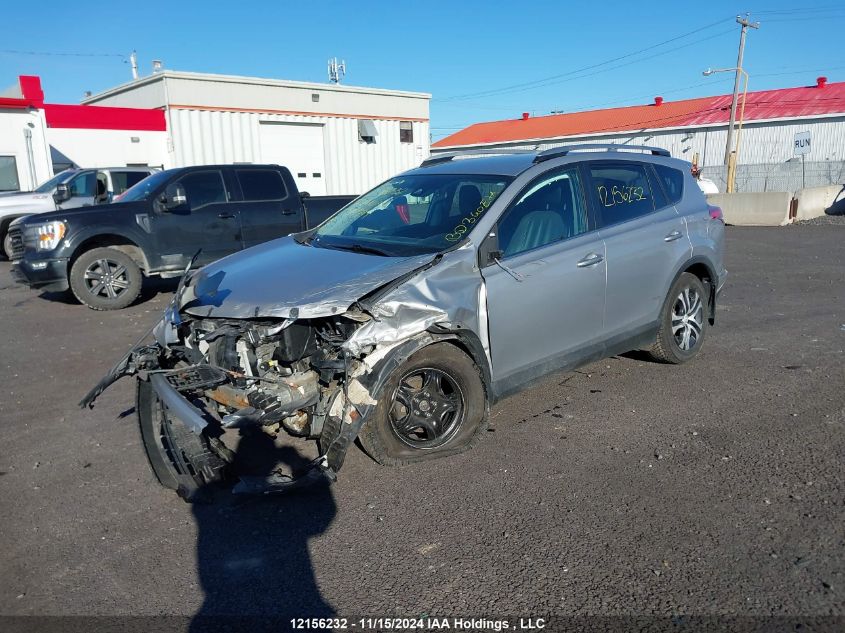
(16, 237)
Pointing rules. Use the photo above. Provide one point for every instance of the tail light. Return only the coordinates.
(716, 214)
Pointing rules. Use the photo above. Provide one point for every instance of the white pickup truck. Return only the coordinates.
(66, 190)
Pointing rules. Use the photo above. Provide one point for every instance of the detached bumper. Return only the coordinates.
(45, 274)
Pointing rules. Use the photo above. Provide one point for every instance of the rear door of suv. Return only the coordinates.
(646, 240)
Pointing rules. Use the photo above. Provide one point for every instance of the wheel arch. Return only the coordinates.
(116, 241)
(703, 269)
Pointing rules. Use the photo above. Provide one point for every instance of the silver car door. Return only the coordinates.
(545, 282)
(646, 241)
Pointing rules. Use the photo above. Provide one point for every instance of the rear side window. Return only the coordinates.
(261, 184)
(672, 181)
(620, 191)
(122, 180)
(204, 187)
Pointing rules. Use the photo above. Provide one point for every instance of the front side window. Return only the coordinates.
(620, 191)
(412, 215)
(84, 185)
(261, 184)
(203, 188)
(9, 174)
(550, 209)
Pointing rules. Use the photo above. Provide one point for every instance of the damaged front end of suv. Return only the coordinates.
(317, 341)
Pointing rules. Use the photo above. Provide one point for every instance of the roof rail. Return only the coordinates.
(436, 159)
(557, 152)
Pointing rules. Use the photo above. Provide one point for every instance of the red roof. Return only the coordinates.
(822, 98)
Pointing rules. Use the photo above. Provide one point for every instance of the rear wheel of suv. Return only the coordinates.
(105, 279)
(683, 321)
(432, 406)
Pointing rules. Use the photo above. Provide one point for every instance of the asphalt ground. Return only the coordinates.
(627, 488)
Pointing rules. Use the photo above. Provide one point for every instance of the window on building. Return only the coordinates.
(261, 184)
(367, 131)
(620, 191)
(406, 132)
(9, 174)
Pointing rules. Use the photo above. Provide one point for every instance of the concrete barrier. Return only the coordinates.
(754, 209)
(817, 201)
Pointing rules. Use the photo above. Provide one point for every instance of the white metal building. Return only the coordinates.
(336, 139)
(685, 128)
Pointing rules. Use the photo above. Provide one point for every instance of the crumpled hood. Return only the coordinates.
(285, 279)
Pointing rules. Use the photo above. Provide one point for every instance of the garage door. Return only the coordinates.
(300, 149)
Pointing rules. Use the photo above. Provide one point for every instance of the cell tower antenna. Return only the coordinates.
(337, 70)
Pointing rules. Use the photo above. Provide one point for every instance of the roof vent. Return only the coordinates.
(820, 82)
(658, 101)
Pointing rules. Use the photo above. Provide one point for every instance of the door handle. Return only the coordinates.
(226, 216)
(674, 235)
(288, 212)
(590, 260)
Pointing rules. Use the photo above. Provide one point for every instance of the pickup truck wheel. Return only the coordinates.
(432, 406)
(683, 321)
(7, 246)
(105, 279)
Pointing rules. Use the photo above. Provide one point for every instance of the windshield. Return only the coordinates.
(48, 186)
(411, 215)
(143, 189)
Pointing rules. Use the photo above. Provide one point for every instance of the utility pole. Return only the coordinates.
(745, 24)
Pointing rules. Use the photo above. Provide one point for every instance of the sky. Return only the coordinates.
(480, 61)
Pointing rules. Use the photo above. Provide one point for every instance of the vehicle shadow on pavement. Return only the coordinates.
(252, 552)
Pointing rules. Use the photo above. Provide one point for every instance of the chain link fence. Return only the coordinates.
(789, 176)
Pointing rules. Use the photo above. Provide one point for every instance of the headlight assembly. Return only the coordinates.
(49, 235)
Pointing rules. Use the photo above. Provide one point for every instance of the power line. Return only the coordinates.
(550, 81)
(585, 68)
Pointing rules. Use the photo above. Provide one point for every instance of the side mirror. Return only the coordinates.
(62, 194)
(303, 195)
(174, 197)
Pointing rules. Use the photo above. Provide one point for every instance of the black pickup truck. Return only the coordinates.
(102, 253)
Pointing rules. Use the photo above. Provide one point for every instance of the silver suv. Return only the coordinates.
(406, 315)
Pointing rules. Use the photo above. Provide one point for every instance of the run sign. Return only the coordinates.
(802, 143)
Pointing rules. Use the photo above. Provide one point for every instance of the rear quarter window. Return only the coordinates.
(672, 181)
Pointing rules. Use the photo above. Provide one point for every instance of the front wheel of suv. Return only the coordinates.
(432, 406)
(683, 321)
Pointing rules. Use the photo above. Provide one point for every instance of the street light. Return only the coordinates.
(734, 154)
